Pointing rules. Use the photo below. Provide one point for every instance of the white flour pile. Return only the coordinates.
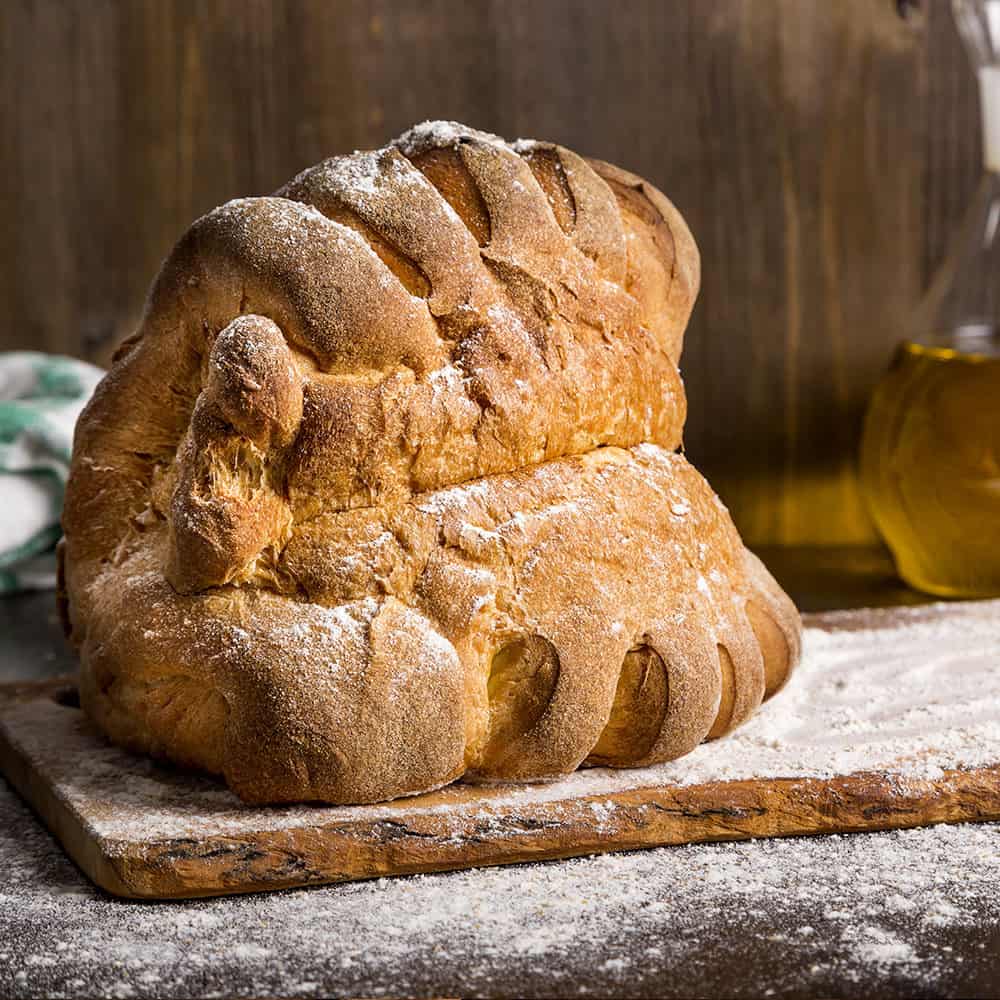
(907, 692)
(906, 913)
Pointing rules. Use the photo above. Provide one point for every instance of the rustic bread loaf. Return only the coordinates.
(385, 490)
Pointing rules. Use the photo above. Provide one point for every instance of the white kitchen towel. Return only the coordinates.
(41, 396)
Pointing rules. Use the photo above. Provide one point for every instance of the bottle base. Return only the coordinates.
(949, 591)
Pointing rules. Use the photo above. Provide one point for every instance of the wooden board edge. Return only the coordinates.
(628, 820)
(432, 841)
(60, 819)
(49, 687)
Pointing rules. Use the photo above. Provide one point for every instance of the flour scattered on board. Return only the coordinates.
(910, 699)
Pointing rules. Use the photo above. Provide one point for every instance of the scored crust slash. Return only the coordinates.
(386, 490)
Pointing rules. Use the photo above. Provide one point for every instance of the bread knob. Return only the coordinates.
(253, 381)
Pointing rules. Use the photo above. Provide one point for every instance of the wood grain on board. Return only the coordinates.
(821, 152)
(470, 830)
(465, 826)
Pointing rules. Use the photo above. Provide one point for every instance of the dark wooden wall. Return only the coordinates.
(820, 151)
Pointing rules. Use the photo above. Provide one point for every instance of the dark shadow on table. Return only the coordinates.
(829, 578)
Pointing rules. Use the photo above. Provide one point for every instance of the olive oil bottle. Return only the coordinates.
(930, 451)
(930, 467)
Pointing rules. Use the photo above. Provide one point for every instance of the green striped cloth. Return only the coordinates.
(41, 396)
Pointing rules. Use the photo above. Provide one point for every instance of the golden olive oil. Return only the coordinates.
(930, 468)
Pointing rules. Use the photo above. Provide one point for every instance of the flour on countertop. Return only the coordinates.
(909, 696)
(800, 916)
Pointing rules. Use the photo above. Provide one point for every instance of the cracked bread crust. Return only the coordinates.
(384, 492)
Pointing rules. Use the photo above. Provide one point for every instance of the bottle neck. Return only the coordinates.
(989, 106)
(973, 339)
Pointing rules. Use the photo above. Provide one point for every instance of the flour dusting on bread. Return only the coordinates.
(386, 491)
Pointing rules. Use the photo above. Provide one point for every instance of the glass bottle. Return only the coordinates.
(930, 452)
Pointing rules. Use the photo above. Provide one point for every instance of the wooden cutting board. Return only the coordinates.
(893, 720)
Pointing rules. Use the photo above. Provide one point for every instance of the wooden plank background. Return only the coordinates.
(821, 152)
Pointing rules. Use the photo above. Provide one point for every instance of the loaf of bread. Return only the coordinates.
(386, 490)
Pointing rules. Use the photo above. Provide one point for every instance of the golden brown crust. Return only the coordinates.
(664, 269)
(384, 491)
